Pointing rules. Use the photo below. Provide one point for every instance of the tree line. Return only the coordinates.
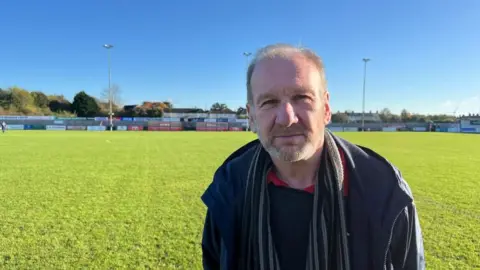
(19, 101)
(387, 116)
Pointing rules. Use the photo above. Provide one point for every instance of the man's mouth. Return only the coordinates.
(290, 136)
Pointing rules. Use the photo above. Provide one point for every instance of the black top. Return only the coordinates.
(290, 217)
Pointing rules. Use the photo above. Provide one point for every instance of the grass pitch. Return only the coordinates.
(71, 200)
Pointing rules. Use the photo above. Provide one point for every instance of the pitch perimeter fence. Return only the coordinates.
(209, 124)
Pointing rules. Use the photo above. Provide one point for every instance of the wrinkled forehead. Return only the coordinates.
(279, 74)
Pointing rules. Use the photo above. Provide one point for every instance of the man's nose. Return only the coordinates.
(286, 115)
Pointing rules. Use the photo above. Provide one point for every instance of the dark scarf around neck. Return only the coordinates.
(328, 245)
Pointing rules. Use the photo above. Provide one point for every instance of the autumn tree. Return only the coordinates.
(40, 99)
(21, 99)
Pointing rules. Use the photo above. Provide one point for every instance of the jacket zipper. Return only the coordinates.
(390, 238)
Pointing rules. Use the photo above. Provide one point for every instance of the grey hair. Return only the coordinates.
(285, 51)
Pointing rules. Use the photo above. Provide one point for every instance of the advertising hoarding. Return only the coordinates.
(135, 128)
(76, 127)
(15, 127)
(55, 127)
(96, 128)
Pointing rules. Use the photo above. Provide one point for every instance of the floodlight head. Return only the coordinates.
(108, 46)
(366, 59)
(247, 53)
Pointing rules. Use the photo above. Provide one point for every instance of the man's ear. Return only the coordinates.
(251, 119)
(326, 106)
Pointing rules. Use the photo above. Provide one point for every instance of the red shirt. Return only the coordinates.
(273, 178)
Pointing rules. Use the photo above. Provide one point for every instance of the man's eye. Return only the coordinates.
(301, 97)
(268, 102)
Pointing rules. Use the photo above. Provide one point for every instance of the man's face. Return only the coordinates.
(289, 111)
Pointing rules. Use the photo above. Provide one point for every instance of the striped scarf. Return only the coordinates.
(328, 245)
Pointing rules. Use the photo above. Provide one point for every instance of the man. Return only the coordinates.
(4, 126)
(299, 197)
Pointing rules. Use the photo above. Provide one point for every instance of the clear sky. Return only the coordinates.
(425, 54)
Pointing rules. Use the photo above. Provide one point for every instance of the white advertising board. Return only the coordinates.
(96, 128)
(336, 129)
(350, 129)
(389, 129)
(15, 127)
(55, 127)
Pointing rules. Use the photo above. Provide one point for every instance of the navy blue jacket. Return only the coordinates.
(383, 227)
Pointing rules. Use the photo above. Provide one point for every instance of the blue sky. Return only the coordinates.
(425, 54)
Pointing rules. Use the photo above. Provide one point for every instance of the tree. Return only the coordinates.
(168, 104)
(150, 109)
(155, 112)
(84, 105)
(114, 95)
(40, 99)
(394, 119)
(5, 98)
(241, 111)
(20, 98)
(405, 116)
(385, 115)
(340, 117)
(219, 107)
(140, 111)
(59, 104)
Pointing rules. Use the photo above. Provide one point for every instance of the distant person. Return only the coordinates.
(300, 197)
(4, 127)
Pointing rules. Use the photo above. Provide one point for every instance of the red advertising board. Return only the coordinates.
(158, 128)
(158, 124)
(135, 128)
(176, 128)
(236, 129)
(222, 126)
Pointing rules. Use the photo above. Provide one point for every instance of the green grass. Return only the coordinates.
(88, 200)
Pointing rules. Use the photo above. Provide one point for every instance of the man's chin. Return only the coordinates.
(290, 154)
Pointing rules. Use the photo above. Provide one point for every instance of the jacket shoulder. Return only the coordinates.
(374, 176)
(229, 178)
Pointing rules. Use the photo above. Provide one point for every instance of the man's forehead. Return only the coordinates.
(279, 65)
(283, 73)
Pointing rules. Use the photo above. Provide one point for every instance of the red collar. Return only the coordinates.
(273, 178)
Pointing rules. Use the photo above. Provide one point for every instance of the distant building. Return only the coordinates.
(197, 113)
(370, 117)
(184, 113)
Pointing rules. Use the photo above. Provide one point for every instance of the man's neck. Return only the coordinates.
(300, 174)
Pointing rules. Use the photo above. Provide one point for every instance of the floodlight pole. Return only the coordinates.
(247, 59)
(110, 94)
(365, 60)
